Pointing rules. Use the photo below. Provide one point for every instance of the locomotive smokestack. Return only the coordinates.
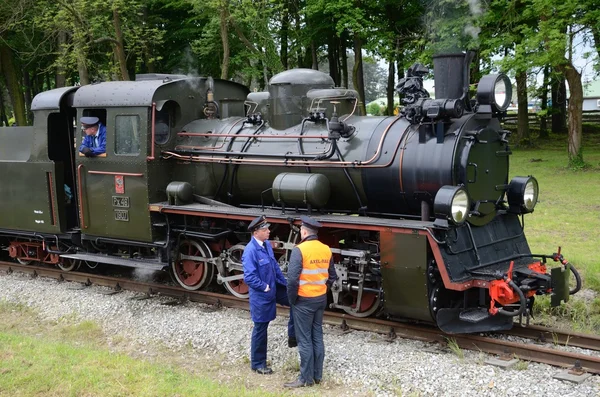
(451, 75)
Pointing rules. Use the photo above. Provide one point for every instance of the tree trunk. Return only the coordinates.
(119, 46)
(544, 107)
(559, 100)
(13, 83)
(27, 83)
(285, 28)
(332, 59)
(344, 58)
(148, 59)
(61, 78)
(81, 55)
(224, 23)
(3, 118)
(391, 85)
(265, 70)
(523, 113)
(357, 74)
(575, 117)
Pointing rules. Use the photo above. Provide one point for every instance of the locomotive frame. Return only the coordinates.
(421, 218)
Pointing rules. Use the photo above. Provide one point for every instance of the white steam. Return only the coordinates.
(476, 12)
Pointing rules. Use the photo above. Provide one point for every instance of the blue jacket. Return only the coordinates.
(88, 141)
(260, 269)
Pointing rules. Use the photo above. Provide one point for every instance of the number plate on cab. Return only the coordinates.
(120, 201)
(122, 215)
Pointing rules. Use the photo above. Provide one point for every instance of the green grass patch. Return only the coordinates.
(568, 211)
(567, 215)
(67, 358)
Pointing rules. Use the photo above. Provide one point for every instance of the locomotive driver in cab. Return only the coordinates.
(310, 271)
(268, 286)
(94, 142)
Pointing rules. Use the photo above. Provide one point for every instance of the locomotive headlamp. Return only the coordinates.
(495, 90)
(522, 194)
(451, 204)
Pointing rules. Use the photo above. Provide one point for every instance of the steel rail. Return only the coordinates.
(546, 335)
(393, 329)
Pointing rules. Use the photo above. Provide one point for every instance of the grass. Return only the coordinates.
(455, 348)
(568, 216)
(568, 211)
(66, 358)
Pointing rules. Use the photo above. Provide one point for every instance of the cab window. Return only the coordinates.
(162, 126)
(127, 132)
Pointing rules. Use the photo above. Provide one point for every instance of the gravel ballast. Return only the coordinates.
(356, 363)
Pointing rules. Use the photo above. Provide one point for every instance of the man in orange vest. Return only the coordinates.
(310, 271)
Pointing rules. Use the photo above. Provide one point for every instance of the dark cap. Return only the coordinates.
(88, 121)
(310, 222)
(259, 223)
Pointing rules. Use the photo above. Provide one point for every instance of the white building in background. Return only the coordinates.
(591, 95)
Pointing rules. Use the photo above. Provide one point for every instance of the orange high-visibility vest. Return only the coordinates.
(315, 268)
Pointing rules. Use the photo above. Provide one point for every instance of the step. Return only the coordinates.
(116, 260)
(474, 315)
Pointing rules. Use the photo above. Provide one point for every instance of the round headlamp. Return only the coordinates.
(452, 204)
(495, 90)
(522, 194)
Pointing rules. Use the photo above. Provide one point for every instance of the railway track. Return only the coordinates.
(492, 345)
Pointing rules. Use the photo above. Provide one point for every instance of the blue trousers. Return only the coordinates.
(258, 344)
(309, 334)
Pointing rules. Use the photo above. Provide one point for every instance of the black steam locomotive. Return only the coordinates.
(418, 210)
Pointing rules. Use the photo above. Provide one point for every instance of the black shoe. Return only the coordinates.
(292, 342)
(317, 381)
(297, 383)
(263, 370)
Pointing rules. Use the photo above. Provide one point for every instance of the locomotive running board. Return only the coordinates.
(113, 260)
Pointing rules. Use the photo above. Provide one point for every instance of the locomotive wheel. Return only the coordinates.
(368, 305)
(237, 288)
(23, 261)
(188, 273)
(68, 264)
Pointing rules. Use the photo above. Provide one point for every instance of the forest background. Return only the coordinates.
(46, 44)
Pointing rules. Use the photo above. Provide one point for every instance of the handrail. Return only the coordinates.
(290, 162)
(216, 135)
(81, 213)
(52, 209)
(151, 157)
(115, 173)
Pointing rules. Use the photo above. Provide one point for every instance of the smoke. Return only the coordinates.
(188, 66)
(476, 12)
(144, 275)
(475, 7)
(454, 25)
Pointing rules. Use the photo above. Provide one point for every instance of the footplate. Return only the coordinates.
(474, 315)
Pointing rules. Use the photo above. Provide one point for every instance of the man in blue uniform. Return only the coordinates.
(310, 271)
(94, 142)
(268, 286)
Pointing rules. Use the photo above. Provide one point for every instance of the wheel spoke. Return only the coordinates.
(190, 274)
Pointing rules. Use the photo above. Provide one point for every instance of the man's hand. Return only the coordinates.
(268, 288)
(87, 151)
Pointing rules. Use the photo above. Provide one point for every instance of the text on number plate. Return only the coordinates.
(122, 215)
(120, 201)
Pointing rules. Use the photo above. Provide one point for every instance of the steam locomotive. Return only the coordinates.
(418, 210)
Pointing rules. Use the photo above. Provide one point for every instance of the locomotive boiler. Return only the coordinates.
(418, 209)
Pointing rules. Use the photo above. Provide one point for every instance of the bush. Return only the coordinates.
(375, 109)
